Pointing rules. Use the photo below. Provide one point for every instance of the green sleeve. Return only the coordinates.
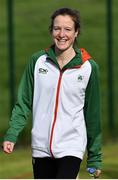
(92, 118)
(23, 104)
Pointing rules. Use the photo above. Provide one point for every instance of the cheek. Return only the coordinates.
(73, 37)
(54, 35)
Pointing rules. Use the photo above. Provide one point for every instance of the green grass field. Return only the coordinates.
(18, 165)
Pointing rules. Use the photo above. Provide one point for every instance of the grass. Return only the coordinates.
(18, 165)
(109, 165)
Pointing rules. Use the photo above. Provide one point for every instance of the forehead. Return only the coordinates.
(63, 20)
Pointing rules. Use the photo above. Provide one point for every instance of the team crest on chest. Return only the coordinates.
(80, 78)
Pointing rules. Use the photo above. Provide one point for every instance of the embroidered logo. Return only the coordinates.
(43, 71)
(80, 78)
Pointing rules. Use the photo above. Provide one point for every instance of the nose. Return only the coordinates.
(62, 33)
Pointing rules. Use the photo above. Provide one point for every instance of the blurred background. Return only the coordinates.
(24, 30)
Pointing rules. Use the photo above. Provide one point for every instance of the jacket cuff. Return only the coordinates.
(96, 165)
(10, 137)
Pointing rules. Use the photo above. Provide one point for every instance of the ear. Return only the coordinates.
(76, 33)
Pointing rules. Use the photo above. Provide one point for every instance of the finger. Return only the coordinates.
(98, 173)
(11, 147)
(6, 149)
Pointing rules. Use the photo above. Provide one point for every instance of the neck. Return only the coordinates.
(63, 57)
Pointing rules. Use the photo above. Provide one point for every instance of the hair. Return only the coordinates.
(74, 14)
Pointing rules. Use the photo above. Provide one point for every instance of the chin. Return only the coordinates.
(62, 48)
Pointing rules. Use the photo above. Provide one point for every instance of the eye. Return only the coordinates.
(67, 29)
(56, 28)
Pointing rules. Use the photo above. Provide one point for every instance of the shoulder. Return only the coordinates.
(37, 54)
(33, 59)
(87, 57)
(94, 65)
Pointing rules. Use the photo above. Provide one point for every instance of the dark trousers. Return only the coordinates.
(60, 168)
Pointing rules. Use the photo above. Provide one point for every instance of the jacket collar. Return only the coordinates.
(74, 62)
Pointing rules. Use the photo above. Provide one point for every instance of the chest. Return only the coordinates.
(47, 78)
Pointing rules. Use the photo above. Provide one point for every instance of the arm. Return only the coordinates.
(92, 118)
(21, 109)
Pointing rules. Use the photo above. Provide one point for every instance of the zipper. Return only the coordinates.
(55, 111)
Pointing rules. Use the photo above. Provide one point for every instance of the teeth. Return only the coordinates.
(62, 40)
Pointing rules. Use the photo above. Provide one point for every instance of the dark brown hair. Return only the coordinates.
(74, 14)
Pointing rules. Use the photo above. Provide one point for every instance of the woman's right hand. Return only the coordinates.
(8, 147)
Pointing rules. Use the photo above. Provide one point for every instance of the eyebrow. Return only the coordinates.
(65, 27)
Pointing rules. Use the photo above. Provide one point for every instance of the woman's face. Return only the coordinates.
(63, 32)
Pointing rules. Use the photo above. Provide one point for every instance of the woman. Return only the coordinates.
(60, 85)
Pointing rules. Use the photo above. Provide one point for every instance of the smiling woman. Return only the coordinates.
(64, 35)
(65, 28)
(60, 86)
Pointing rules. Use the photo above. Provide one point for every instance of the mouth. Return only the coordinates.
(62, 41)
